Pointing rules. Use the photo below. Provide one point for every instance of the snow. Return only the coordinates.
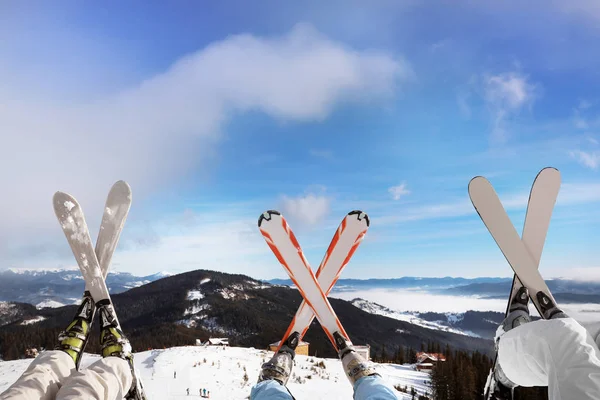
(136, 284)
(69, 205)
(205, 280)
(195, 309)
(36, 272)
(223, 371)
(195, 295)
(410, 317)
(34, 320)
(49, 304)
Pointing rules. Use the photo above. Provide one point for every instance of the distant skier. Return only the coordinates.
(174, 374)
(556, 352)
(188, 391)
(367, 383)
(53, 374)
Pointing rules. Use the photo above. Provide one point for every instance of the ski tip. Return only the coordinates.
(549, 171)
(121, 185)
(63, 204)
(60, 200)
(360, 215)
(267, 216)
(477, 180)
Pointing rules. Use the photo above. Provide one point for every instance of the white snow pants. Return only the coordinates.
(558, 353)
(52, 375)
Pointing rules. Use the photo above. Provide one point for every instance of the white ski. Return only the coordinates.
(345, 241)
(519, 256)
(284, 245)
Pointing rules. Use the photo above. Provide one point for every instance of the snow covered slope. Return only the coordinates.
(412, 317)
(230, 373)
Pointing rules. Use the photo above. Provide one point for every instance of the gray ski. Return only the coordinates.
(492, 213)
(115, 214)
(542, 199)
(71, 218)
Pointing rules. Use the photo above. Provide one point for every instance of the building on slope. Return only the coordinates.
(426, 361)
(364, 351)
(302, 348)
(213, 342)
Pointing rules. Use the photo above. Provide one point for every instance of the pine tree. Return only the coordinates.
(384, 357)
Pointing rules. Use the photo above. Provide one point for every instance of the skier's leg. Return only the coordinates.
(271, 390)
(365, 381)
(557, 353)
(275, 373)
(43, 378)
(108, 378)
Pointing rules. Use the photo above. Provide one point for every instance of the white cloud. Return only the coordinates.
(154, 133)
(506, 94)
(399, 191)
(579, 119)
(587, 159)
(570, 194)
(308, 209)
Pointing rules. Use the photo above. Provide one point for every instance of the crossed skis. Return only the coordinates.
(314, 288)
(523, 254)
(93, 262)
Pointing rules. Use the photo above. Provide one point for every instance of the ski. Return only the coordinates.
(71, 218)
(542, 199)
(74, 338)
(344, 243)
(492, 213)
(284, 245)
(115, 214)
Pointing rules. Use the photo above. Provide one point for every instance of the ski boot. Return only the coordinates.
(518, 313)
(279, 367)
(549, 309)
(75, 337)
(355, 366)
(114, 343)
(502, 388)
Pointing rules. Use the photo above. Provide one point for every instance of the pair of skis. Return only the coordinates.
(93, 262)
(314, 288)
(522, 253)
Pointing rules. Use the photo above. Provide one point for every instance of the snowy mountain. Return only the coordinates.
(179, 309)
(59, 287)
(470, 323)
(230, 373)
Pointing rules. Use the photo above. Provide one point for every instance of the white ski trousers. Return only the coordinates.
(558, 353)
(52, 376)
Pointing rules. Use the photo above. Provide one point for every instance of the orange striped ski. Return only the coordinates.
(284, 245)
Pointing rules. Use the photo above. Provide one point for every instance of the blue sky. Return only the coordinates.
(216, 113)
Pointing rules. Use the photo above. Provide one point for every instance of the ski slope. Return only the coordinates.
(222, 371)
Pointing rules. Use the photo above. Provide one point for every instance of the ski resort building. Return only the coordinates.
(302, 348)
(213, 342)
(426, 361)
(364, 351)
